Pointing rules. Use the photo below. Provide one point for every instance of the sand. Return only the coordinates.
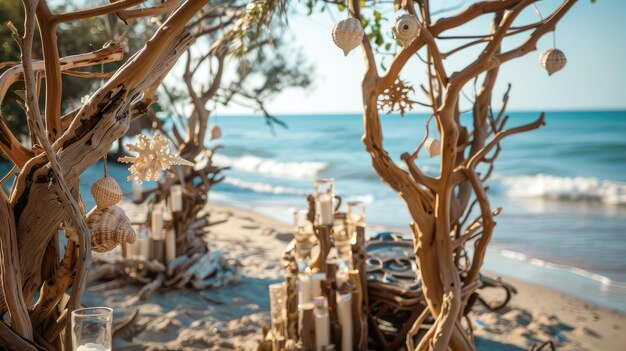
(229, 318)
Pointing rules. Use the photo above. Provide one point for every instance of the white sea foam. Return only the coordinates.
(367, 198)
(249, 163)
(565, 188)
(262, 187)
(575, 270)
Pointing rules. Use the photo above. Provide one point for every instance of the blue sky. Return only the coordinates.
(593, 37)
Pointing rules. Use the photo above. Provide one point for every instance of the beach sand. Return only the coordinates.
(229, 318)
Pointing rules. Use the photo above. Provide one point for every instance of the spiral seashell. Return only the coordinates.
(106, 192)
(433, 147)
(348, 34)
(109, 227)
(216, 132)
(406, 29)
(553, 60)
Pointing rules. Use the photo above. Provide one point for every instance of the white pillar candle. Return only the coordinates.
(170, 246)
(325, 209)
(176, 198)
(316, 284)
(157, 222)
(304, 288)
(137, 192)
(344, 314)
(322, 324)
(143, 244)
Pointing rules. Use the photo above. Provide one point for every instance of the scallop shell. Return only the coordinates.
(553, 60)
(106, 192)
(109, 227)
(348, 34)
(406, 29)
(433, 147)
(216, 132)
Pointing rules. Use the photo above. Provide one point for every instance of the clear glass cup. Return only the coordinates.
(305, 240)
(355, 216)
(92, 329)
(303, 229)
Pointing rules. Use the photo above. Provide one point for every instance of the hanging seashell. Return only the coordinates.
(406, 29)
(109, 227)
(106, 192)
(433, 147)
(348, 34)
(553, 60)
(216, 132)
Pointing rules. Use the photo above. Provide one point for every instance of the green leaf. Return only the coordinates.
(379, 39)
(377, 16)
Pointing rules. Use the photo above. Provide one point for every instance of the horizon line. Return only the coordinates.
(298, 114)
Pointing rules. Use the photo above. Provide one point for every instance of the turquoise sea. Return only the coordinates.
(563, 188)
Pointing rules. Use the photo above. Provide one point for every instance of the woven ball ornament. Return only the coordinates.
(348, 34)
(106, 192)
(109, 227)
(406, 29)
(553, 60)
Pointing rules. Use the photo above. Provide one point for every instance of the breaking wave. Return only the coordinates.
(254, 164)
(262, 187)
(575, 270)
(565, 188)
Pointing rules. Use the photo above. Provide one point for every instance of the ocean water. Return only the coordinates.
(562, 188)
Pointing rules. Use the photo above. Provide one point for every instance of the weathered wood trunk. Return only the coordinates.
(440, 205)
(44, 196)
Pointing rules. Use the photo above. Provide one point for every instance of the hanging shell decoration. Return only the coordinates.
(216, 132)
(406, 29)
(553, 60)
(106, 192)
(433, 147)
(396, 98)
(109, 227)
(348, 34)
(154, 156)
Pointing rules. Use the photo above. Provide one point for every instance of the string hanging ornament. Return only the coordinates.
(348, 34)
(153, 157)
(106, 191)
(553, 60)
(406, 29)
(108, 223)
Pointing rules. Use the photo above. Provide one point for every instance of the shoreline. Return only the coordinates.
(230, 317)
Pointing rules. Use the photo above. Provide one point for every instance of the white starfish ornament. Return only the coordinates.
(154, 156)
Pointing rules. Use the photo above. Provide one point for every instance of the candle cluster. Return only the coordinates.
(320, 305)
(157, 241)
